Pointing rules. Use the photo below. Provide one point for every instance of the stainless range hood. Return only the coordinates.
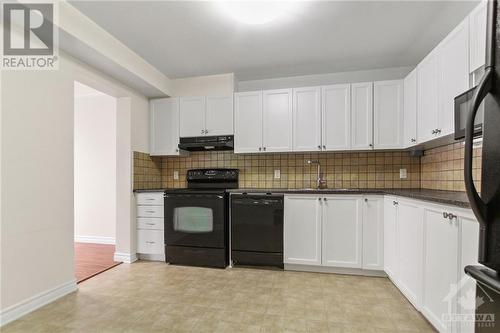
(207, 143)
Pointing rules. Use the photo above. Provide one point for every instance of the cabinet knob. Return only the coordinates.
(413, 140)
(433, 131)
(176, 150)
(371, 145)
(366, 200)
(202, 131)
(264, 148)
(206, 131)
(319, 147)
(438, 131)
(319, 199)
(324, 147)
(395, 203)
(260, 148)
(325, 199)
(445, 215)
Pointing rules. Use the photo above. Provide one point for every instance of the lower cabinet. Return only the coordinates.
(150, 226)
(329, 231)
(390, 237)
(302, 234)
(440, 267)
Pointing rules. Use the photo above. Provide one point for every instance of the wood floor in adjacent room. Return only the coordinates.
(92, 259)
(156, 297)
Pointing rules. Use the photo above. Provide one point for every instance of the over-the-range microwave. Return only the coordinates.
(462, 109)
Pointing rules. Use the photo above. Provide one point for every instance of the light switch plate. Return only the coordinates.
(176, 175)
(403, 174)
(277, 174)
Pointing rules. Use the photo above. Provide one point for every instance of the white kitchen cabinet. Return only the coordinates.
(336, 117)
(150, 226)
(307, 119)
(453, 54)
(277, 122)
(362, 116)
(164, 124)
(302, 230)
(427, 101)
(410, 250)
(342, 231)
(477, 36)
(388, 114)
(248, 122)
(390, 237)
(469, 246)
(410, 110)
(219, 115)
(192, 116)
(440, 267)
(373, 233)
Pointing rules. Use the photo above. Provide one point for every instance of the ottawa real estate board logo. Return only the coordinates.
(29, 37)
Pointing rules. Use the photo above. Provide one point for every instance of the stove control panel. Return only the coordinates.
(212, 175)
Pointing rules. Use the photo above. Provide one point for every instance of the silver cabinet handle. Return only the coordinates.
(177, 150)
(150, 223)
(150, 211)
(202, 131)
(325, 199)
(206, 131)
(413, 140)
(451, 216)
(319, 147)
(148, 242)
(395, 203)
(150, 199)
(260, 148)
(264, 148)
(371, 145)
(438, 131)
(433, 131)
(366, 200)
(319, 199)
(324, 147)
(445, 215)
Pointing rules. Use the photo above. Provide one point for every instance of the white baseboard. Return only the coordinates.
(127, 258)
(95, 239)
(336, 270)
(31, 304)
(151, 257)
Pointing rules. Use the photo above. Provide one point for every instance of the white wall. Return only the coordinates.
(37, 178)
(325, 79)
(210, 85)
(95, 165)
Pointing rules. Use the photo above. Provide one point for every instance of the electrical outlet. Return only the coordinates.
(277, 174)
(176, 175)
(403, 174)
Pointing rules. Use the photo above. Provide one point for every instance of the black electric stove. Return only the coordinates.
(196, 219)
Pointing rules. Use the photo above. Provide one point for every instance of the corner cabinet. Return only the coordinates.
(164, 126)
(362, 116)
(248, 122)
(388, 114)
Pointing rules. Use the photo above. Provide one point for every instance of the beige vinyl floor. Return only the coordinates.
(156, 297)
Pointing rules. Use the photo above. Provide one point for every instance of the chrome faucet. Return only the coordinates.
(320, 181)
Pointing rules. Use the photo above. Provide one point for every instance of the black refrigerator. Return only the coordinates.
(486, 206)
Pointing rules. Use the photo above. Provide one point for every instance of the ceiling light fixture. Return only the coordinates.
(257, 12)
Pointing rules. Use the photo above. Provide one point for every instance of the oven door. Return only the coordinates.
(196, 220)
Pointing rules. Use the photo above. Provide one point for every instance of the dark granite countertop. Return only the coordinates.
(443, 197)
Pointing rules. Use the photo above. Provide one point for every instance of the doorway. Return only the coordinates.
(95, 174)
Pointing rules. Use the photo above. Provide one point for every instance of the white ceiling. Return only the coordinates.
(184, 38)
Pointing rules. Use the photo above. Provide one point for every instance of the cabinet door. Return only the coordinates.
(164, 124)
(248, 122)
(390, 237)
(410, 249)
(342, 231)
(410, 110)
(427, 92)
(362, 116)
(192, 116)
(387, 114)
(302, 242)
(219, 116)
(307, 119)
(453, 74)
(440, 267)
(469, 245)
(477, 34)
(336, 117)
(373, 233)
(277, 120)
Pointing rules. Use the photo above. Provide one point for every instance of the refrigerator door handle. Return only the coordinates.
(477, 204)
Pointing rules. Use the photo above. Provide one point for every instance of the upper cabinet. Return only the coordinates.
(164, 126)
(477, 35)
(410, 110)
(362, 116)
(336, 117)
(277, 120)
(307, 119)
(192, 117)
(387, 114)
(248, 122)
(427, 100)
(201, 116)
(453, 54)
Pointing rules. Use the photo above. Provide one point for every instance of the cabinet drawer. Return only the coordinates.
(149, 211)
(153, 223)
(150, 198)
(150, 242)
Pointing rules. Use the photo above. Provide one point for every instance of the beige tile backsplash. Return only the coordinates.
(342, 170)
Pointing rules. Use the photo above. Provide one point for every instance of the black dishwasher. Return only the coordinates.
(257, 229)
